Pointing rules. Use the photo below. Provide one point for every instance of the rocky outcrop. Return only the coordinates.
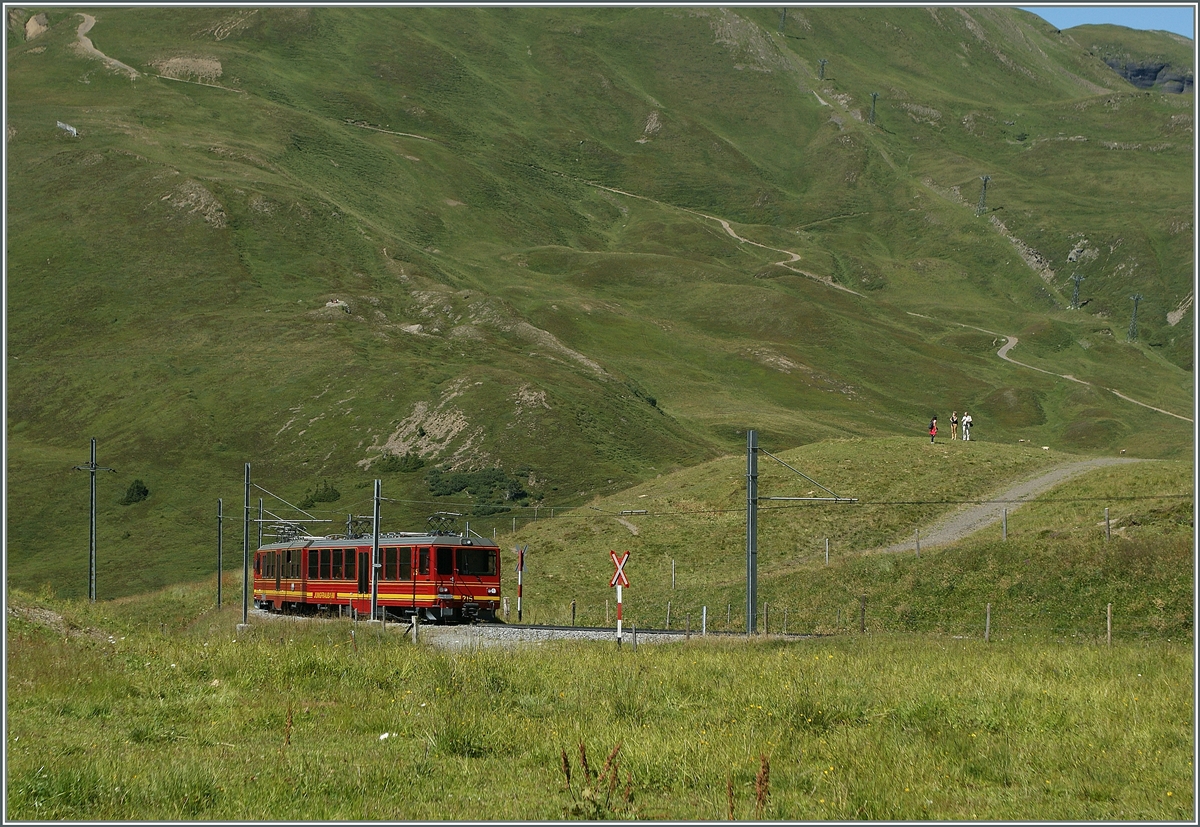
(1153, 75)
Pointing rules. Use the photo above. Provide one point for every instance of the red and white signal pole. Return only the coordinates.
(520, 572)
(619, 579)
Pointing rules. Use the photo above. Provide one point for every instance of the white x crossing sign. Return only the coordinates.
(619, 578)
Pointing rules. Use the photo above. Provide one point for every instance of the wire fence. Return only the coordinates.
(988, 621)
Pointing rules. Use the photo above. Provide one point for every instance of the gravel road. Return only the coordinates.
(969, 519)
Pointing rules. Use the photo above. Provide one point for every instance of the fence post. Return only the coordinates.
(1004, 525)
(572, 612)
(505, 608)
(728, 609)
(862, 619)
(1107, 526)
(688, 634)
(918, 542)
(785, 620)
(766, 618)
(1108, 633)
(839, 621)
(703, 621)
(987, 625)
(672, 574)
(633, 628)
(827, 551)
(668, 614)
(606, 611)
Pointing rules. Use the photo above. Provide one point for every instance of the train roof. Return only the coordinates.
(403, 538)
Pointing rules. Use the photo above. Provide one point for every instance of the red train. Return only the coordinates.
(442, 576)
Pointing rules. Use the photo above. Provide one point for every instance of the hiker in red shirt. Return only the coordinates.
(932, 429)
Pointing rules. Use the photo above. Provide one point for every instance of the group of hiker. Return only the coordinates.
(954, 422)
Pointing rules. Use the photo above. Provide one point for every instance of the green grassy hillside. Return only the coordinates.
(1053, 575)
(304, 238)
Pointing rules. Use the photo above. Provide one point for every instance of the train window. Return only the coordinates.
(325, 563)
(337, 564)
(445, 561)
(423, 562)
(258, 565)
(288, 568)
(267, 567)
(312, 564)
(476, 561)
(389, 564)
(348, 568)
(405, 563)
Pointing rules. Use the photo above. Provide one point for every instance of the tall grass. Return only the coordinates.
(288, 720)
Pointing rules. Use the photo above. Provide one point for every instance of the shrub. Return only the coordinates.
(136, 493)
(323, 493)
(390, 462)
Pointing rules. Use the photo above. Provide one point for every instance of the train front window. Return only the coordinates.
(423, 563)
(478, 561)
(406, 564)
(445, 561)
(348, 568)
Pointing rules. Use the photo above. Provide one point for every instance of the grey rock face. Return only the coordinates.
(1153, 75)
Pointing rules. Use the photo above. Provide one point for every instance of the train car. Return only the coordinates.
(441, 576)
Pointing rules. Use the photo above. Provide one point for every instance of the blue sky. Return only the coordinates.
(1177, 19)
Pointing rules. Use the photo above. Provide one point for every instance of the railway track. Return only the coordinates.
(499, 633)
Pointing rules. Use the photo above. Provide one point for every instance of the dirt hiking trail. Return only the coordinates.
(84, 45)
(969, 519)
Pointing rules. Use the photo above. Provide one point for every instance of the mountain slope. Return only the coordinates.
(492, 238)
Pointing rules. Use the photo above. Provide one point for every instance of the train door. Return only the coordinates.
(364, 572)
(444, 578)
(278, 569)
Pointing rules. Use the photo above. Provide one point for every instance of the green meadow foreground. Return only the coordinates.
(300, 720)
(154, 707)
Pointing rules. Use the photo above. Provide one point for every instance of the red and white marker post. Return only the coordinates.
(619, 579)
(520, 572)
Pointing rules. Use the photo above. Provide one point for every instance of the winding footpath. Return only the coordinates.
(785, 263)
(969, 519)
(1011, 342)
(85, 45)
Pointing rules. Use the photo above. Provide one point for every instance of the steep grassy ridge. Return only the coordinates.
(342, 231)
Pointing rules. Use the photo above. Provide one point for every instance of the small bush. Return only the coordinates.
(390, 462)
(323, 493)
(136, 493)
